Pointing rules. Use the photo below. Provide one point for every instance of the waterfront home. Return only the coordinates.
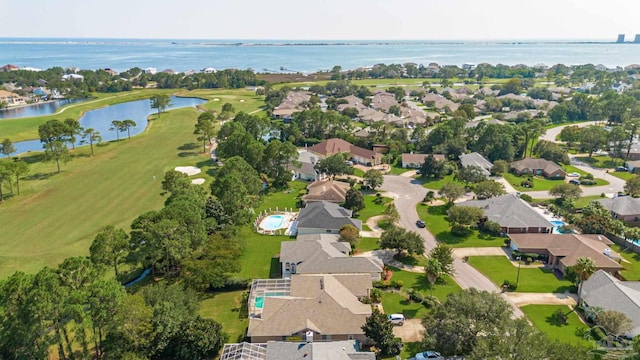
(209, 70)
(513, 214)
(605, 291)
(11, 99)
(624, 208)
(338, 146)
(324, 254)
(284, 350)
(324, 307)
(322, 217)
(531, 166)
(563, 250)
(9, 67)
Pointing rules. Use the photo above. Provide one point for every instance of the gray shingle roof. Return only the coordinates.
(622, 205)
(605, 291)
(510, 211)
(475, 159)
(335, 350)
(326, 215)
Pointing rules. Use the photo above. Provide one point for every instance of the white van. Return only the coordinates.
(396, 319)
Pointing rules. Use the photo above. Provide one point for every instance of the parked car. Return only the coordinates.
(600, 153)
(574, 182)
(621, 168)
(573, 174)
(428, 355)
(420, 224)
(396, 319)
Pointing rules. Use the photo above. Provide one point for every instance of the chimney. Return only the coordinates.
(309, 336)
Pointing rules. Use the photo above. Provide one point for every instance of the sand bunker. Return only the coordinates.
(189, 170)
(198, 181)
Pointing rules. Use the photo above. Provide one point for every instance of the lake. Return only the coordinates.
(100, 119)
(46, 108)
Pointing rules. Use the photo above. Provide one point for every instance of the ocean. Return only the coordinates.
(299, 55)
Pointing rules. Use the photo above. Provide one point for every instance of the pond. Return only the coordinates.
(100, 120)
(45, 108)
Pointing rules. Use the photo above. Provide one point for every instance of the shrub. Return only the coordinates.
(378, 200)
(511, 286)
(588, 176)
(526, 197)
(397, 284)
(588, 182)
(459, 230)
(492, 227)
(375, 295)
(602, 195)
(526, 184)
(416, 296)
(430, 301)
(560, 317)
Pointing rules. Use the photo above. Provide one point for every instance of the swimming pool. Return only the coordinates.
(272, 222)
(557, 225)
(259, 302)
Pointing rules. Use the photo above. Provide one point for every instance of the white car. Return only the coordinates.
(573, 174)
(601, 153)
(428, 355)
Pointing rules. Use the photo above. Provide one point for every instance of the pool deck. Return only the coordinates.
(283, 229)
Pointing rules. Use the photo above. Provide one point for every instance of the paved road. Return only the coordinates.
(552, 133)
(409, 193)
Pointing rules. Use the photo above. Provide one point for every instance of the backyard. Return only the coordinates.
(531, 279)
(227, 308)
(435, 218)
(542, 317)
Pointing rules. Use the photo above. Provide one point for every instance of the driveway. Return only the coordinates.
(410, 192)
(409, 332)
(522, 299)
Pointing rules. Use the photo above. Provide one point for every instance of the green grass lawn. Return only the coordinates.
(601, 162)
(371, 208)
(397, 170)
(281, 199)
(27, 128)
(412, 260)
(241, 99)
(578, 204)
(228, 309)
(368, 244)
(539, 183)
(631, 270)
(58, 215)
(624, 175)
(542, 318)
(571, 168)
(358, 172)
(398, 303)
(436, 219)
(258, 260)
(436, 184)
(499, 268)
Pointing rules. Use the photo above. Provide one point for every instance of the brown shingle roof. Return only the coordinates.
(327, 190)
(419, 158)
(337, 146)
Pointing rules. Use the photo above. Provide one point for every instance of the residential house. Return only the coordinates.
(151, 71)
(291, 104)
(170, 71)
(72, 77)
(9, 67)
(475, 123)
(512, 213)
(383, 101)
(531, 166)
(322, 217)
(609, 293)
(111, 72)
(634, 153)
(352, 102)
(324, 254)
(338, 146)
(323, 307)
(414, 161)
(209, 70)
(11, 99)
(563, 250)
(439, 102)
(304, 167)
(326, 190)
(475, 159)
(290, 350)
(625, 208)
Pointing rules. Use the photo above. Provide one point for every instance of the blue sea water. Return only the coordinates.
(300, 56)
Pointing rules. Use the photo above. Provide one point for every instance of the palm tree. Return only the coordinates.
(91, 136)
(433, 270)
(127, 125)
(584, 267)
(116, 125)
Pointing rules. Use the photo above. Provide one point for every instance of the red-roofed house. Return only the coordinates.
(337, 146)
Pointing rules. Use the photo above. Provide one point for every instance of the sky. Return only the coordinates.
(322, 20)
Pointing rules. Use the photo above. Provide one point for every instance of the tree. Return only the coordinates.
(92, 136)
(104, 300)
(401, 240)
(333, 165)
(18, 168)
(110, 247)
(5, 175)
(350, 234)
(205, 128)
(570, 134)
(499, 167)
(72, 129)
(237, 186)
(455, 326)
(52, 130)
(470, 174)
(433, 270)
(278, 155)
(127, 125)
(213, 266)
(378, 328)
(584, 267)
(391, 213)
(432, 167)
(175, 180)
(451, 192)
(7, 148)
(354, 200)
(464, 215)
(592, 138)
(566, 192)
(488, 189)
(57, 152)
(444, 254)
(160, 102)
(116, 125)
(616, 323)
(372, 179)
(632, 186)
